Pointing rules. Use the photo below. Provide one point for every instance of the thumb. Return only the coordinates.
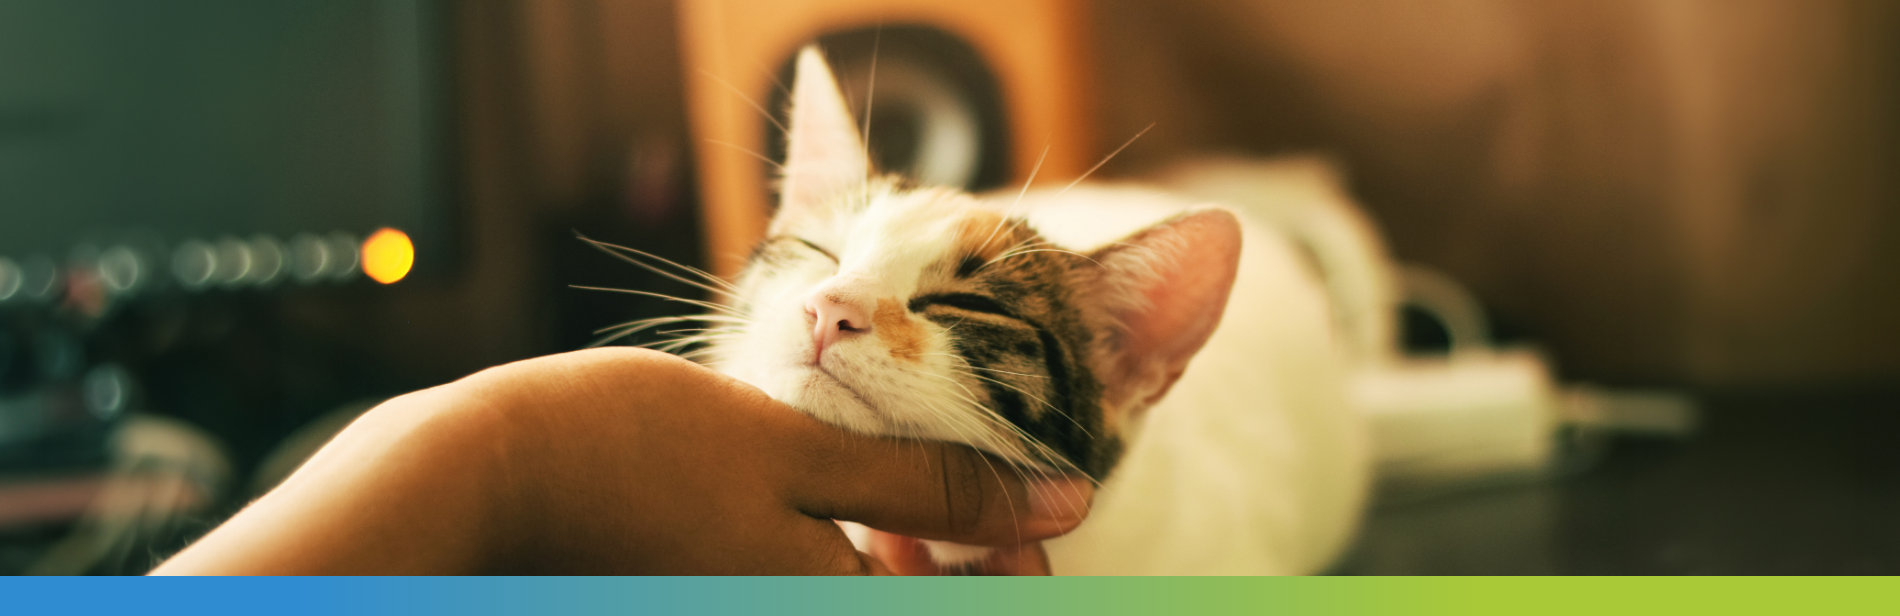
(907, 556)
(933, 490)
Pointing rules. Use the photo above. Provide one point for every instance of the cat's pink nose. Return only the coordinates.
(834, 319)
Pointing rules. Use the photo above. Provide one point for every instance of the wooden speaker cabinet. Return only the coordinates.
(1034, 51)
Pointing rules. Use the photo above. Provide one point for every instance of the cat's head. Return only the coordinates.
(931, 313)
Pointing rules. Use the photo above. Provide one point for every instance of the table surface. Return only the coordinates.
(1770, 485)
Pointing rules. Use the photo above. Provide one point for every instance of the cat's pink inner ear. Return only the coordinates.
(1174, 279)
(823, 155)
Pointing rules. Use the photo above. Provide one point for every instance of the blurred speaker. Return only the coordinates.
(969, 94)
(936, 115)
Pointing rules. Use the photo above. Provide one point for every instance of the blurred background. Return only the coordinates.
(228, 226)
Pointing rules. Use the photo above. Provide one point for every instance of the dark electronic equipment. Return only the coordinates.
(172, 174)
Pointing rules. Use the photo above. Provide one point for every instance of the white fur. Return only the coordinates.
(825, 157)
(882, 250)
(1254, 463)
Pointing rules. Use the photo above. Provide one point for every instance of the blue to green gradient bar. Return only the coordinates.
(951, 596)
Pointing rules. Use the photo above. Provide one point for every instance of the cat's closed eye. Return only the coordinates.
(814, 246)
(964, 301)
(1056, 361)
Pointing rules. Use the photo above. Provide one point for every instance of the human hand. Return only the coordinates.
(908, 556)
(625, 461)
(722, 479)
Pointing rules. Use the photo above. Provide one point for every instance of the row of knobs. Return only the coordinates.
(196, 265)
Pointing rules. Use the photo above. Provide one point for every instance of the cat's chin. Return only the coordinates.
(956, 555)
(949, 557)
(819, 394)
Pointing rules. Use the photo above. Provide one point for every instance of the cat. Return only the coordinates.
(1181, 357)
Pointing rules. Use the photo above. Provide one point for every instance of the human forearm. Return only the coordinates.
(407, 488)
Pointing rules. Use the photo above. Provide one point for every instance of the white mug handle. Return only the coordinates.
(1450, 303)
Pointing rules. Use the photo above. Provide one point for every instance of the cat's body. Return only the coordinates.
(1055, 330)
(1253, 463)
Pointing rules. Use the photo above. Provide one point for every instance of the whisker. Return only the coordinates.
(1042, 450)
(697, 331)
(707, 305)
(748, 100)
(1010, 252)
(981, 438)
(774, 77)
(695, 355)
(634, 327)
(678, 319)
(986, 413)
(648, 345)
(677, 343)
(1006, 499)
(946, 331)
(1048, 454)
(978, 440)
(1052, 408)
(1105, 159)
(1022, 245)
(1033, 376)
(1066, 252)
(1032, 177)
(775, 164)
(715, 335)
(1010, 212)
(617, 251)
(870, 88)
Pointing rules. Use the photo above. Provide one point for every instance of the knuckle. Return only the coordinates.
(847, 561)
(966, 494)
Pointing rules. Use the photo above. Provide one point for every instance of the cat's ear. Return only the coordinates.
(823, 155)
(1164, 289)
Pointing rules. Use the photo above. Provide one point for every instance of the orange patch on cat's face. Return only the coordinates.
(893, 325)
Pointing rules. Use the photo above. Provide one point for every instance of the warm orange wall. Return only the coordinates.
(730, 46)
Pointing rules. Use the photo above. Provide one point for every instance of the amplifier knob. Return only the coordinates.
(39, 279)
(343, 249)
(121, 269)
(193, 262)
(234, 262)
(309, 258)
(267, 261)
(11, 279)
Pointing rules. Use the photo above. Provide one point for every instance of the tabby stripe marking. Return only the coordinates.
(1012, 402)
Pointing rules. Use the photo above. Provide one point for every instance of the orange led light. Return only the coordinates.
(388, 255)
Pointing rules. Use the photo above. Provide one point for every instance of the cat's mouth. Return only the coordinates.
(820, 373)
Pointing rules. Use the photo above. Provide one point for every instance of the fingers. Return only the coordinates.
(804, 546)
(907, 556)
(872, 566)
(931, 490)
(1026, 559)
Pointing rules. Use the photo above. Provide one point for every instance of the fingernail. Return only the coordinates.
(1057, 505)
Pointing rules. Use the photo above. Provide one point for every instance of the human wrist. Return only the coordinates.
(500, 435)
(553, 431)
(451, 447)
